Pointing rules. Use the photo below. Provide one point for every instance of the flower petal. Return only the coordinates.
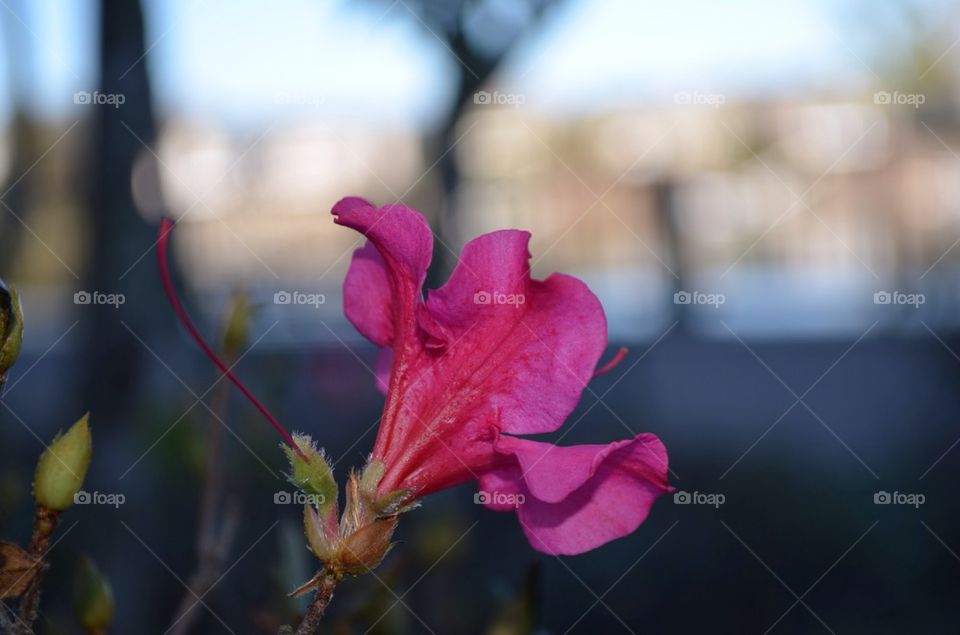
(383, 289)
(367, 296)
(528, 346)
(580, 497)
(492, 269)
(383, 368)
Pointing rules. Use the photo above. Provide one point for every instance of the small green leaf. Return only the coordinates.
(321, 532)
(371, 476)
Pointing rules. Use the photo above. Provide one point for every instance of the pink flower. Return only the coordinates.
(490, 355)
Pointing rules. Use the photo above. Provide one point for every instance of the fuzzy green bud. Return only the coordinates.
(312, 476)
(11, 329)
(63, 466)
(93, 598)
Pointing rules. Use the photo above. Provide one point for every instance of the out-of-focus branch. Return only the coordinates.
(44, 524)
(217, 522)
(213, 539)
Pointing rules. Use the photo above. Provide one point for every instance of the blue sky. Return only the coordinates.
(231, 61)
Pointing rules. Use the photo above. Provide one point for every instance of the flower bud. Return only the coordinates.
(93, 598)
(63, 466)
(11, 329)
(237, 327)
(312, 476)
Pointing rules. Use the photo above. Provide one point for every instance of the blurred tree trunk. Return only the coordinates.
(119, 236)
(675, 253)
(23, 139)
(22, 144)
(473, 72)
(474, 66)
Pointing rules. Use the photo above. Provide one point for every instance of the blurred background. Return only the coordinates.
(764, 196)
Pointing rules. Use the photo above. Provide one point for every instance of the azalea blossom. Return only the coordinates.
(490, 356)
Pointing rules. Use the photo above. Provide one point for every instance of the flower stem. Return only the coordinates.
(44, 524)
(166, 226)
(311, 621)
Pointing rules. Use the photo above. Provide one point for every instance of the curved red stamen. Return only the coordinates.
(613, 363)
(166, 226)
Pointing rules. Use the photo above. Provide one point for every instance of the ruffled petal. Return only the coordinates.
(383, 286)
(489, 282)
(528, 346)
(580, 497)
(367, 296)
